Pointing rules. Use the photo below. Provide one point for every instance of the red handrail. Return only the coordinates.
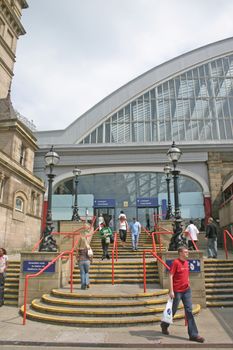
(147, 231)
(71, 254)
(35, 275)
(114, 249)
(164, 232)
(144, 264)
(195, 246)
(225, 234)
(58, 233)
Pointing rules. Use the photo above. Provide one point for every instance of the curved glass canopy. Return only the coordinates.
(194, 106)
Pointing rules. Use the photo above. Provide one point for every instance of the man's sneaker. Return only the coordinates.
(198, 339)
(164, 329)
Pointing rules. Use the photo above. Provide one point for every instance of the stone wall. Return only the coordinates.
(47, 280)
(197, 279)
(220, 164)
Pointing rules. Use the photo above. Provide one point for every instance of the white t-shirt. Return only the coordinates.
(192, 229)
(122, 222)
(3, 263)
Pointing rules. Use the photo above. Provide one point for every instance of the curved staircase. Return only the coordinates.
(105, 305)
(101, 309)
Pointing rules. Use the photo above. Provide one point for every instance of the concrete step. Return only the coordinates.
(219, 285)
(221, 303)
(101, 309)
(221, 291)
(61, 293)
(67, 320)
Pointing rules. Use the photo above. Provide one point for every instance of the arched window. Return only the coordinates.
(19, 204)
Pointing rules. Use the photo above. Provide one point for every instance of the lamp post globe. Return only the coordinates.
(174, 155)
(75, 215)
(48, 242)
(167, 170)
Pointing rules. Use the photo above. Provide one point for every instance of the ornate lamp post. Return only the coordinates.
(48, 243)
(174, 154)
(167, 169)
(75, 216)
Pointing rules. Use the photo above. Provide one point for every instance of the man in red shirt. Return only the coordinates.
(180, 290)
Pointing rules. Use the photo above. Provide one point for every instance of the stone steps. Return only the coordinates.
(219, 282)
(100, 309)
(11, 286)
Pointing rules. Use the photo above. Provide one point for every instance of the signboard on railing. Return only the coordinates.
(194, 264)
(31, 266)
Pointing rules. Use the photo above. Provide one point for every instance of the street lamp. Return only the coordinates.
(75, 216)
(167, 169)
(48, 243)
(174, 154)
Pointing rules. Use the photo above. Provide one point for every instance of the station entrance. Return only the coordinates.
(147, 216)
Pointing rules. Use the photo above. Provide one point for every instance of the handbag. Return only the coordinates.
(107, 240)
(90, 253)
(167, 313)
(111, 239)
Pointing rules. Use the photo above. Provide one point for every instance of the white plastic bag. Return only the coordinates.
(90, 253)
(167, 313)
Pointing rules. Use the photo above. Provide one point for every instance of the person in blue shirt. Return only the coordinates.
(135, 229)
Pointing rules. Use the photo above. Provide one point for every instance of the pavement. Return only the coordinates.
(214, 324)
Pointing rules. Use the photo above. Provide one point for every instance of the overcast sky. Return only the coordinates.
(76, 52)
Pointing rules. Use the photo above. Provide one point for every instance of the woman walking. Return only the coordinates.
(3, 267)
(84, 258)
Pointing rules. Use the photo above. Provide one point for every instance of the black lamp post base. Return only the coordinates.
(177, 240)
(48, 244)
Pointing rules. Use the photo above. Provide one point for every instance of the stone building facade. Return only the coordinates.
(10, 30)
(21, 193)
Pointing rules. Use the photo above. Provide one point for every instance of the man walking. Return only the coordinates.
(135, 229)
(211, 236)
(192, 232)
(179, 289)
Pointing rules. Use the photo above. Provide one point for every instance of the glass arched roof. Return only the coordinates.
(196, 105)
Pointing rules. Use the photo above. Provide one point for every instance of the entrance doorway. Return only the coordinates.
(109, 211)
(147, 217)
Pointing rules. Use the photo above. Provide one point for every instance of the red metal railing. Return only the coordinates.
(225, 234)
(37, 274)
(159, 233)
(194, 244)
(144, 264)
(61, 255)
(114, 250)
(73, 233)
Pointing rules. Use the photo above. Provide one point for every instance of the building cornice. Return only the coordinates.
(16, 168)
(19, 127)
(7, 48)
(11, 17)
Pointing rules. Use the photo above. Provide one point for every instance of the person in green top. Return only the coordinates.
(105, 234)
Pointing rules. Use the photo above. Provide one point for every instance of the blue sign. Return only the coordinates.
(31, 266)
(194, 265)
(147, 202)
(104, 203)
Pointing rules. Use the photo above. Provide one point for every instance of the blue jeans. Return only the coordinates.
(212, 247)
(84, 272)
(134, 241)
(2, 280)
(105, 248)
(186, 298)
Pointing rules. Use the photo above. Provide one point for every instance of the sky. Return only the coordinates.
(76, 52)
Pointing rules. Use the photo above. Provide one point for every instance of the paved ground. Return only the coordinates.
(214, 324)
